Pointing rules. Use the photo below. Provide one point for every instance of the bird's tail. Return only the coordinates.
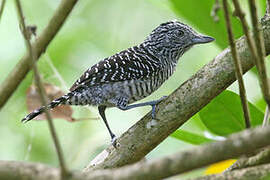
(53, 104)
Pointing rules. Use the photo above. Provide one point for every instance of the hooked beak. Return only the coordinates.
(202, 39)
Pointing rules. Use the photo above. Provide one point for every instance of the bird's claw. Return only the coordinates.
(114, 141)
(154, 106)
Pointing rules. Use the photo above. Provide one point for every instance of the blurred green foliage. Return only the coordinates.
(224, 116)
(189, 137)
(97, 29)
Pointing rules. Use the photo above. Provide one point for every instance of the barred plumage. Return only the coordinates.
(131, 74)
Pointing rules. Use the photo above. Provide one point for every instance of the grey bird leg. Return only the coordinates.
(101, 110)
(150, 103)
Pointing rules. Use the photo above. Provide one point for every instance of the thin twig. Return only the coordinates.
(215, 10)
(16, 76)
(239, 12)
(2, 8)
(41, 90)
(238, 68)
(61, 79)
(253, 50)
(266, 116)
(258, 38)
(267, 8)
(241, 15)
(55, 71)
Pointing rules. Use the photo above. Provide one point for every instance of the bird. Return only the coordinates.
(132, 74)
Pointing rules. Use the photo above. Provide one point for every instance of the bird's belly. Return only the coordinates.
(131, 90)
(108, 94)
(136, 90)
(139, 89)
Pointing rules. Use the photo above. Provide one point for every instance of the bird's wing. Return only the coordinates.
(126, 65)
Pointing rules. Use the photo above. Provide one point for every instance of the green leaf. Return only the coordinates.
(224, 114)
(190, 137)
(195, 124)
(197, 13)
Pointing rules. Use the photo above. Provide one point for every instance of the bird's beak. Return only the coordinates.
(200, 39)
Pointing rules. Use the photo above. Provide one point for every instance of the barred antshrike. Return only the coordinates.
(131, 74)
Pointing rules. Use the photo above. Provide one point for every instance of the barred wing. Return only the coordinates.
(133, 63)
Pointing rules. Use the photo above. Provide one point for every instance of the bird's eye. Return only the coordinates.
(179, 33)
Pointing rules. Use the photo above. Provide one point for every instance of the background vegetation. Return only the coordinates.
(98, 29)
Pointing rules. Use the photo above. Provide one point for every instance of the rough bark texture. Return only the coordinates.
(235, 146)
(262, 157)
(181, 105)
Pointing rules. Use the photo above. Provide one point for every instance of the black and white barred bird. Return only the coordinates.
(131, 74)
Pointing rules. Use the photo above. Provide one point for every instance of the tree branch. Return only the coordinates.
(214, 11)
(254, 51)
(259, 61)
(258, 37)
(241, 15)
(2, 8)
(41, 90)
(181, 105)
(262, 157)
(267, 13)
(17, 75)
(234, 146)
(251, 173)
(266, 116)
(237, 65)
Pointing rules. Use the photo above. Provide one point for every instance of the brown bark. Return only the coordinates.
(234, 146)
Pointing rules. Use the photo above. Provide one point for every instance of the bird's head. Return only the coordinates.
(172, 39)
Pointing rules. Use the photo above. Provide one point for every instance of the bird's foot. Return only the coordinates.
(154, 106)
(114, 141)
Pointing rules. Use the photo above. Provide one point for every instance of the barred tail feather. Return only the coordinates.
(53, 104)
(34, 114)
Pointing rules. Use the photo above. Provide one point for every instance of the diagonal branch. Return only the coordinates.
(237, 65)
(258, 37)
(234, 146)
(182, 104)
(40, 87)
(2, 8)
(259, 60)
(244, 162)
(266, 116)
(17, 75)
(241, 15)
(267, 13)
(255, 49)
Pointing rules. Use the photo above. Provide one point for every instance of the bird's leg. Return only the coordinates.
(101, 110)
(149, 103)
